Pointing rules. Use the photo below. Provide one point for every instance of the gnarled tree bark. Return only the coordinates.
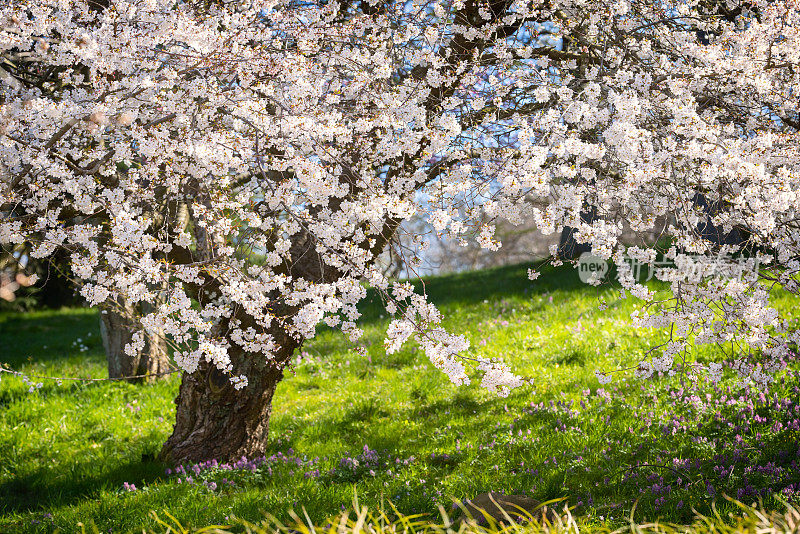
(216, 421)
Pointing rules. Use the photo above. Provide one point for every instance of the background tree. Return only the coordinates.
(196, 138)
(23, 68)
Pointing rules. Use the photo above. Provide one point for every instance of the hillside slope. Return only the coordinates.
(351, 419)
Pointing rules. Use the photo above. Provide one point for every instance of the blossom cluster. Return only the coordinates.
(247, 162)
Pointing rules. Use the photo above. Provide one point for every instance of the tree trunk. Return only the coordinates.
(216, 421)
(716, 234)
(116, 330)
(568, 247)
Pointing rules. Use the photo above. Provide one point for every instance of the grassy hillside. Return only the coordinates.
(390, 427)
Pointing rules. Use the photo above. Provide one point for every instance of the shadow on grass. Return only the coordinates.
(43, 489)
(49, 336)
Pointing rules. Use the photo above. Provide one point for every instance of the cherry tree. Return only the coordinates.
(240, 166)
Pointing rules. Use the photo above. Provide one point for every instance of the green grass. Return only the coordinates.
(66, 450)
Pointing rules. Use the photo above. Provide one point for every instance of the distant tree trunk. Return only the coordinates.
(116, 330)
(716, 234)
(568, 247)
(216, 421)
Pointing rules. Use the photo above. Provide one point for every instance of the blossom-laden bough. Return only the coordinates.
(242, 164)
